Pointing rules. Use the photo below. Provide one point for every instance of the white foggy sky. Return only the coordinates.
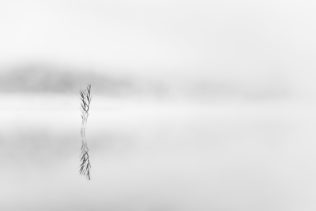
(225, 39)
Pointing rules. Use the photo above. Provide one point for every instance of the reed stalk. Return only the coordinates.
(85, 98)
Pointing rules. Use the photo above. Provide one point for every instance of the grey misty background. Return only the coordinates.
(197, 105)
(53, 78)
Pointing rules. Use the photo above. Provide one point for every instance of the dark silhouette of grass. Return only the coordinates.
(85, 166)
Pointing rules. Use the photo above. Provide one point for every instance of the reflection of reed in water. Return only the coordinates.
(85, 97)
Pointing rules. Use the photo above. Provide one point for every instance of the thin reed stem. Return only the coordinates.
(85, 166)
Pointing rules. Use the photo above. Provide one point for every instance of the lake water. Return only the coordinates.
(157, 155)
